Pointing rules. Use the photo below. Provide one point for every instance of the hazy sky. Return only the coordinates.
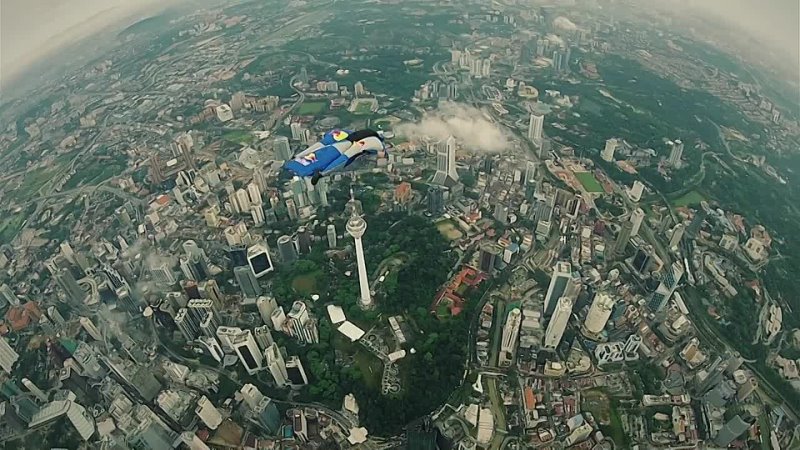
(773, 21)
(32, 28)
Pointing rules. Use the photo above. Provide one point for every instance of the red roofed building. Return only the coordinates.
(19, 317)
(402, 193)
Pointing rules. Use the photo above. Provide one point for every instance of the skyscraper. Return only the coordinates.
(259, 259)
(276, 365)
(331, 236)
(7, 356)
(246, 348)
(677, 235)
(357, 226)
(635, 193)
(286, 249)
(263, 337)
(637, 218)
(488, 256)
(730, 431)
(296, 372)
(446, 174)
(598, 315)
(247, 281)
(608, 152)
(675, 153)
(623, 237)
(559, 284)
(72, 289)
(530, 172)
(267, 415)
(265, 306)
(508, 345)
(666, 288)
(558, 323)
(535, 128)
(280, 145)
(435, 200)
(208, 413)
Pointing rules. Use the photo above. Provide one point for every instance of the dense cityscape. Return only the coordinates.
(579, 235)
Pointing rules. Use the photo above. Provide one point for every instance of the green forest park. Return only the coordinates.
(428, 376)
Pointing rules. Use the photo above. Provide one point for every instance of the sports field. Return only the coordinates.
(589, 182)
(688, 199)
(311, 108)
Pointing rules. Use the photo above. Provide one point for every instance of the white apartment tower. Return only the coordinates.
(558, 323)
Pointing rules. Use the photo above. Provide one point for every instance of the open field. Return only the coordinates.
(239, 137)
(449, 230)
(305, 284)
(589, 182)
(688, 199)
(311, 108)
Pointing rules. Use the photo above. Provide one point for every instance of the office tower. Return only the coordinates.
(266, 305)
(291, 209)
(530, 172)
(677, 235)
(508, 345)
(55, 316)
(666, 288)
(635, 194)
(446, 162)
(263, 336)
(356, 226)
(238, 255)
(487, 257)
(301, 325)
(76, 414)
(267, 415)
(623, 237)
(278, 318)
(254, 194)
(160, 270)
(746, 389)
(188, 326)
(251, 396)
(72, 289)
(213, 348)
(731, 431)
(209, 325)
(259, 260)
(208, 413)
(282, 150)
(286, 249)
(91, 328)
(246, 348)
(675, 153)
(247, 281)
(598, 315)
(435, 200)
(696, 223)
(558, 323)
(7, 296)
(297, 131)
(501, 213)
(331, 236)
(7, 355)
(608, 151)
(241, 201)
(276, 365)
(295, 372)
(303, 240)
(535, 128)
(637, 218)
(257, 213)
(560, 282)
(641, 261)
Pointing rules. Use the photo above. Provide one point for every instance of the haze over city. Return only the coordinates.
(416, 225)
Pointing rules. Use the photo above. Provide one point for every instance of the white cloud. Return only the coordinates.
(471, 128)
